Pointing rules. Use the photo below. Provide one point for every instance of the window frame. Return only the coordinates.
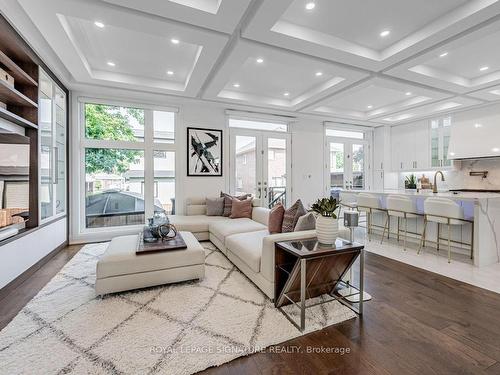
(148, 145)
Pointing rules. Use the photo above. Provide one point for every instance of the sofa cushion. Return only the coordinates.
(247, 247)
(291, 216)
(223, 229)
(306, 222)
(228, 202)
(195, 223)
(241, 209)
(215, 206)
(276, 218)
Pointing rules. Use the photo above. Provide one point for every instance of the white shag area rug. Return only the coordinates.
(174, 329)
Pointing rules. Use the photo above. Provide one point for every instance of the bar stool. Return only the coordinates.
(368, 203)
(402, 208)
(443, 211)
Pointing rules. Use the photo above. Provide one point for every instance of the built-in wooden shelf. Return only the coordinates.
(18, 120)
(20, 76)
(10, 96)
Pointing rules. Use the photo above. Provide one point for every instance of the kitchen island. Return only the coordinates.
(483, 208)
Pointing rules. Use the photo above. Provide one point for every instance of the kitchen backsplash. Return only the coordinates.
(459, 178)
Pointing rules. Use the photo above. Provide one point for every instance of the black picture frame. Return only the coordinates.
(204, 152)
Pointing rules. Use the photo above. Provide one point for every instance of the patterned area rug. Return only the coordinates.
(176, 329)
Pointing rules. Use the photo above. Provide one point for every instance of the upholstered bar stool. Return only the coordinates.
(402, 208)
(443, 211)
(368, 203)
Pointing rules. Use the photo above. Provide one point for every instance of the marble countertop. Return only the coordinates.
(469, 196)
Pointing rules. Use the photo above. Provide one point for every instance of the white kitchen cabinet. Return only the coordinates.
(381, 155)
(410, 147)
(440, 139)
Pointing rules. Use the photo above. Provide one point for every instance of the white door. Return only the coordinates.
(260, 165)
(347, 164)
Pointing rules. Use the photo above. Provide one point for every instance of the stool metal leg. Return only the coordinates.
(438, 235)
(398, 227)
(472, 241)
(406, 233)
(369, 219)
(422, 239)
(449, 241)
(385, 226)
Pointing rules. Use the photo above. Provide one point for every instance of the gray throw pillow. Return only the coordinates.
(215, 206)
(291, 216)
(306, 222)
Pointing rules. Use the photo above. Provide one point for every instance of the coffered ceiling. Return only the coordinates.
(376, 62)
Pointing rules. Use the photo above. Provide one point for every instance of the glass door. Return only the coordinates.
(260, 165)
(346, 165)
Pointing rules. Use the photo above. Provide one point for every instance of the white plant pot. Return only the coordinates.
(327, 229)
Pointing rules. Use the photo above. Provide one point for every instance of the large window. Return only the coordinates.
(121, 144)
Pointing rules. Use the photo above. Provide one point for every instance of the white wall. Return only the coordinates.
(307, 160)
(19, 255)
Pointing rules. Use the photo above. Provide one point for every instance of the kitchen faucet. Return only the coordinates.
(435, 186)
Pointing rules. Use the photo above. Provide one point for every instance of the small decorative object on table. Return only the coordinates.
(159, 228)
(327, 224)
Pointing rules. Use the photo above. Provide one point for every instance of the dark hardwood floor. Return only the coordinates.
(417, 323)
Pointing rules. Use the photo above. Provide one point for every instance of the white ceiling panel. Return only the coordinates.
(88, 37)
(262, 75)
(444, 106)
(376, 97)
(220, 15)
(350, 31)
(465, 64)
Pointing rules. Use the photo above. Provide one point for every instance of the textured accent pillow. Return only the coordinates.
(215, 206)
(291, 216)
(276, 218)
(306, 222)
(241, 209)
(228, 201)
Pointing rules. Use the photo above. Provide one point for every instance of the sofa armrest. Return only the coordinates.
(267, 259)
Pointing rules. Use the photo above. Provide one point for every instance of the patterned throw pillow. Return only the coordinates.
(306, 222)
(215, 206)
(276, 218)
(292, 215)
(241, 209)
(228, 202)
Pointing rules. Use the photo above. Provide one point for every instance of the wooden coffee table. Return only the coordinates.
(306, 269)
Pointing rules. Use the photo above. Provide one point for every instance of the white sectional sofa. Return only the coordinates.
(246, 242)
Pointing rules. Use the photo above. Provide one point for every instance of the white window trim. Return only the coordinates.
(79, 232)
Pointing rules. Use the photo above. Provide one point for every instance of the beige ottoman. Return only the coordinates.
(120, 269)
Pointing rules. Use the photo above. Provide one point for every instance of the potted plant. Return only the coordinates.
(411, 182)
(327, 224)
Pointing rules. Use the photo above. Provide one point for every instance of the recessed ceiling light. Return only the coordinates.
(385, 33)
(408, 93)
(260, 60)
(496, 149)
(310, 5)
(319, 74)
(452, 153)
(99, 24)
(369, 106)
(478, 126)
(175, 41)
(170, 73)
(111, 63)
(483, 68)
(443, 54)
(236, 85)
(286, 94)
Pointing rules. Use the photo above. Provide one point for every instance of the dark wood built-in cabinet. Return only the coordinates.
(23, 108)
